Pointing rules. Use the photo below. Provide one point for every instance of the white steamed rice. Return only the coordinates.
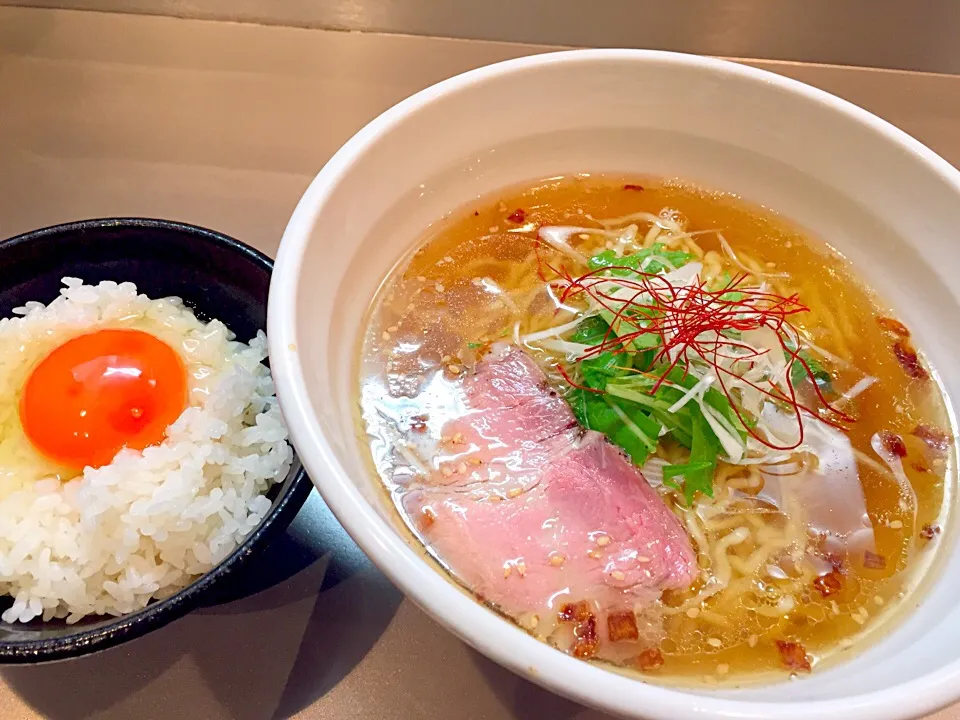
(146, 525)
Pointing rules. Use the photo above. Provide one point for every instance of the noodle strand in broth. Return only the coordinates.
(813, 534)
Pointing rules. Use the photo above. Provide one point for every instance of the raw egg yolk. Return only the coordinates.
(101, 392)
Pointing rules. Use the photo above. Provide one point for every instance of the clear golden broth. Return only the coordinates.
(433, 309)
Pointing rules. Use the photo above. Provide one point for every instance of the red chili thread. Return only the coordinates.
(570, 381)
(681, 315)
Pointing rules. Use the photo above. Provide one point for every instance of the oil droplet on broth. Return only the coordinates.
(470, 283)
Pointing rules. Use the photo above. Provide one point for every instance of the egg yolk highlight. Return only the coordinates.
(101, 392)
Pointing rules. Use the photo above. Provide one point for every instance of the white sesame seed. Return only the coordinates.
(877, 600)
(603, 540)
(514, 492)
(457, 438)
(556, 560)
(421, 278)
(521, 568)
(385, 335)
(462, 468)
(693, 612)
(447, 472)
(643, 559)
(896, 524)
(454, 369)
(753, 640)
(715, 642)
(723, 669)
(583, 236)
(494, 228)
(594, 553)
(617, 575)
(506, 570)
(438, 287)
(392, 328)
(534, 621)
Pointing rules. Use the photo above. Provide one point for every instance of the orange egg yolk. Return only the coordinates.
(101, 392)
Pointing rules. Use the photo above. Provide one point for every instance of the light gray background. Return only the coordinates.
(902, 34)
(223, 124)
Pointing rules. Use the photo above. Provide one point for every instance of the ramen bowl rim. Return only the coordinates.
(483, 630)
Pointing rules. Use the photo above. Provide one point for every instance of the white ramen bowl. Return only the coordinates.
(881, 198)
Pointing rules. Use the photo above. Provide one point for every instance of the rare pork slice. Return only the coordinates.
(537, 516)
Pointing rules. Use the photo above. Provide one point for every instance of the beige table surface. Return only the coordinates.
(223, 125)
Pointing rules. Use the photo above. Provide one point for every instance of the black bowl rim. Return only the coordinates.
(161, 612)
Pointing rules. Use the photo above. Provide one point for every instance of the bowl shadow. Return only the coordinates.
(528, 701)
(262, 655)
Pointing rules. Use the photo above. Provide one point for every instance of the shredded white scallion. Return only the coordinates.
(557, 302)
(656, 258)
(492, 287)
(859, 387)
(407, 454)
(558, 235)
(633, 427)
(697, 390)
(556, 331)
(573, 351)
(728, 251)
(652, 471)
(742, 363)
(733, 446)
